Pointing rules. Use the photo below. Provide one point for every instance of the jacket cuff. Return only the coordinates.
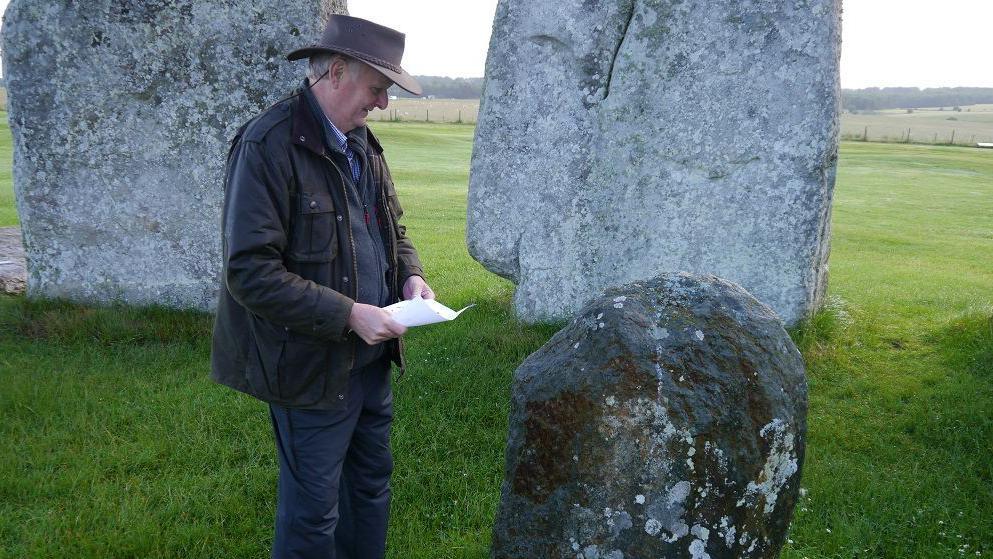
(330, 317)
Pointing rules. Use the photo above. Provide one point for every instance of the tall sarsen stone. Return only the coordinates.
(617, 140)
(667, 420)
(121, 112)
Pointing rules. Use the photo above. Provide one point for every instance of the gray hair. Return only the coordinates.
(321, 62)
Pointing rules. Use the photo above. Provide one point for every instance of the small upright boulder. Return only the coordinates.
(667, 420)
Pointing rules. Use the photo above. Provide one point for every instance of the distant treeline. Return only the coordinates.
(445, 88)
(876, 98)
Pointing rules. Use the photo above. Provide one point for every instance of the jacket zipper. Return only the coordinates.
(351, 242)
(392, 234)
(394, 259)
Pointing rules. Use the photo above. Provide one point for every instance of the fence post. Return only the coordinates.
(427, 115)
(460, 116)
(935, 141)
(952, 141)
(908, 135)
(865, 135)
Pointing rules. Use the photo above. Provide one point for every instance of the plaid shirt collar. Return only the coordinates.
(342, 139)
(353, 161)
(339, 138)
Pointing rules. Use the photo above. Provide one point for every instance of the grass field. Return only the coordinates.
(116, 445)
(972, 124)
(8, 213)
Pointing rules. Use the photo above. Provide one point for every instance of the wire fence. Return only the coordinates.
(968, 126)
(911, 136)
(458, 111)
(964, 126)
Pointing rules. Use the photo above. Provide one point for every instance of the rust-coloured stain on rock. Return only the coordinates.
(551, 429)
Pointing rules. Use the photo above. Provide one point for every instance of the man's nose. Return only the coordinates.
(383, 100)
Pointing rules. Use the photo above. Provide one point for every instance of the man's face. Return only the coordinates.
(357, 94)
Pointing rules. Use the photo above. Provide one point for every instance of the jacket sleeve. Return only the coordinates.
(255, 222)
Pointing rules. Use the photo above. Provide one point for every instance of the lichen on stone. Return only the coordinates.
(680, 136)
(121, 114)
(674, 446)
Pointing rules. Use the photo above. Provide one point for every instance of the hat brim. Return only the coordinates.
(402, 78)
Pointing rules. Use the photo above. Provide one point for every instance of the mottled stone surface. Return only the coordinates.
(667, 420)
(13, 274)
(618, 140)
(121, 112)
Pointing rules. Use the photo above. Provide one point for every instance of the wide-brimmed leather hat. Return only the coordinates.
(374, 44)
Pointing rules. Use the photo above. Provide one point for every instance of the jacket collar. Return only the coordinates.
(308, 128)
(359, 138)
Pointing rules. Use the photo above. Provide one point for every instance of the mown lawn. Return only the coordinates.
(115, 444)
(8, 214)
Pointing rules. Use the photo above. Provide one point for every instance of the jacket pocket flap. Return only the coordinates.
(315, 203)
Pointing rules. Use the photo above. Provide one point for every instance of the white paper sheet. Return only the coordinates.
(418, 312)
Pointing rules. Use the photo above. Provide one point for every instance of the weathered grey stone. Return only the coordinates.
(13, 273)
(121, 111)
(667, 420)
(620, 139)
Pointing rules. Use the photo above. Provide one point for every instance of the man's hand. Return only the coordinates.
(414, 286)
(373, 324)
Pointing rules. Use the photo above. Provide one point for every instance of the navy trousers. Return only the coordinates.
(334, 473)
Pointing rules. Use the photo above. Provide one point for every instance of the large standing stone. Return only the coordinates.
(667, 420)
(121, 112)
(620, 139)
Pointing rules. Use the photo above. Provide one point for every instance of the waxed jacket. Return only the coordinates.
(288, 269)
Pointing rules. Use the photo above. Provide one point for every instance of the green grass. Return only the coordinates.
(8, 214)
(117, 445)
(900, 364)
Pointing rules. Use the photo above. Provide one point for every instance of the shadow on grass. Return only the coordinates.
(66, 323)
(488, 333)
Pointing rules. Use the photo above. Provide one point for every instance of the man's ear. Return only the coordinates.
(336, 72)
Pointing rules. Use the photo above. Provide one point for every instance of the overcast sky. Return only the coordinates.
(923, 43)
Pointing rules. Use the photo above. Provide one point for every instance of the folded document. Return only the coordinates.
(418, 312)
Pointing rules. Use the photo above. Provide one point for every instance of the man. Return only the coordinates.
(312, 251)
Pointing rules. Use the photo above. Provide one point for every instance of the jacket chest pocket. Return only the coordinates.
(315, 237)
(392, 201)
